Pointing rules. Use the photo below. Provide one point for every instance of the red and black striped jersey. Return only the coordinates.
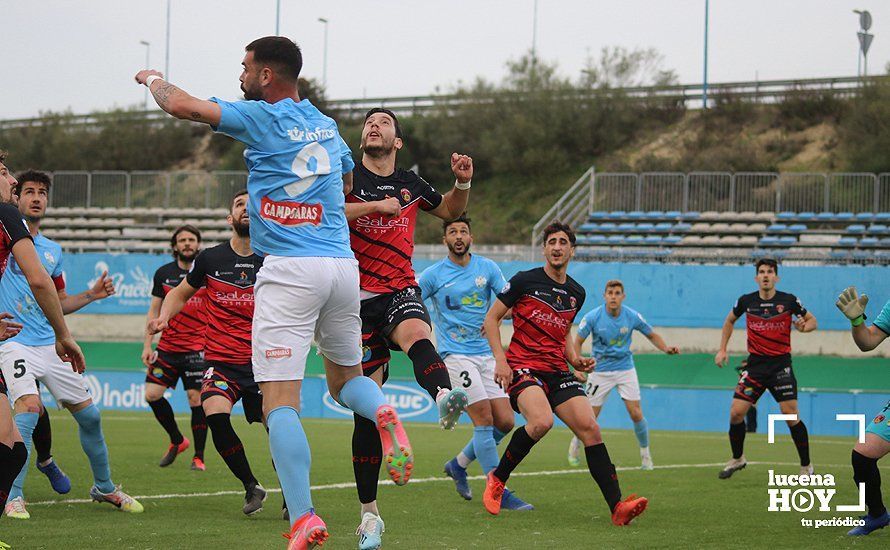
(229, 280)
(384, 246)
(12, 230)
(543, 312)
(185, 332)
(768, 322)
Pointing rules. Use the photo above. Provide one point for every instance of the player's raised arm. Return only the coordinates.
(454, 202)
(503, 374)
(722, 358)
(389, 206)
(172, 305)
(852, 305)
(176, 101)
(102, 288)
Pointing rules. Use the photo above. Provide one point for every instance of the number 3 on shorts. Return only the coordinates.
(466, 376)
(19, 367)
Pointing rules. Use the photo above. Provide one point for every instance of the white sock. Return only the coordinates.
(644, 452)
(462, 460)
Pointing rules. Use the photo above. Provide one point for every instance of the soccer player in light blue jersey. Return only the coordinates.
(877, 435)
(611, 327)
(460, 289)
(30, 356)
(299, 170)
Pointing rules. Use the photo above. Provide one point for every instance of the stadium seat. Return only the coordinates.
(806, 216)
(883, 217)
(633, 239)
(786, 216)
(862, 255)
(654, 215)
(584, 227)
(663, 227)
(865, 216)
(885, 242)
(878, 229)
(617, 214)
(615, 239)
(608, 227)
(840, 255)
(682, 227)
(646, 226)
(747, 240)
(787, 240)
(653, 239)
(636, 214)
(769, 241)
(797, 228)
(844, 216)
(627, 226)
(672, 239)
(847, 241)
(825, 216)
(673, 214)
(700, 227)
(598, 215)
(870, 242)
(595, 239)
(856, 228)
(776, 228)
(692, 215)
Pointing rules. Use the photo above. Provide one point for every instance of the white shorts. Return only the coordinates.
(24, 365)
(599, 384)
(296, 299)
(475, 374)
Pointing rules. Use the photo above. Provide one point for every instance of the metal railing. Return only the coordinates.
(571, 208)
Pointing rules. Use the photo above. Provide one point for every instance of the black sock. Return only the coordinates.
(603, 472)
(865, 470)
(751, 420)
(429, 369)
(737, 439)
(520, 445)
(12, 460)
(164, 413)
(199, 430)
(802, 442)
(367, 454)
(230, 447)
(42, 438)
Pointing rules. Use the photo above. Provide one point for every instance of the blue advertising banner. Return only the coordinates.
(698, 409)
(132, 275)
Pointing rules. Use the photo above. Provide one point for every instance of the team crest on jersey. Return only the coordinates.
(573, 301)
(559, 300)
(623, 330)
(780, 308)
(879, 419)
(49, 257)
(406, 195)
(480, 281)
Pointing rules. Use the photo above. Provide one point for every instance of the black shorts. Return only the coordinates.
(380, 317)
(559, 387)
(234, 382)
(767, 373)
(169, 367)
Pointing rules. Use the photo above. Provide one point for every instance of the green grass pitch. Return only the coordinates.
(689, 506)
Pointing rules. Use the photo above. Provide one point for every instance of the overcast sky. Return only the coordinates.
(81, 55)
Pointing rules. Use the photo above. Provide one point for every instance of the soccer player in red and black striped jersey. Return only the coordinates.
(228, 272)
(15, 239)
(769, 314)
(180, 352)
(535, 374)
(382, 210)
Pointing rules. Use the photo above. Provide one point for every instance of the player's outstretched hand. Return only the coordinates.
(462, 167)
(69, 352)
(503, 374)
(104, 287)
(672, 350)
(585, 364)
(8, 328)
(143, 75)
(721, 359)
(390, 207)
(149, 356)
(156, 325)
(851, 303)
(580, 376)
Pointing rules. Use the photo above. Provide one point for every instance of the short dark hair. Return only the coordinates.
(3, 155)
(235, 195)
(385, 111)
(611, 283)
(32, 175)
(280, 52)
(461, 219)
(555, 227)
(768, 262)
(187, 229)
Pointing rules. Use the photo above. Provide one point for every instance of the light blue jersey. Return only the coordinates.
(880, 425)
(460, 298)
(17, 298)
(295, 162)
(611, 337)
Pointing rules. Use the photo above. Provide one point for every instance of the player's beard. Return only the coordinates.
(252, 94)
(379, 151)
(185, 257)
(241, 229)
(462, 253)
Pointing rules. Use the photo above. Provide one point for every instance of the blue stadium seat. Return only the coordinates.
(626, 226)
(806, 216)
(840, 255)
(825, 216)
(682, 227)
(636, 214)
(843, 216)
(654, 214)
(598, 215)
(645, 227)
(673, 214)
(617, 214)
(662, 252)
(878, 229)
(862, 254)
(582, 239)
(882, 253)
(608, 227)
(769, 241)
(615, 239)
(856, 228)
(776, 228)
(653, 239)
(787, 241)
(885, 241)
(634, 239)
(587, 227)
(596, 239)
(797, 228)
(672, 239)
(882, 217)
(870, 242)
(847, 241)
(663, 227)
(692, 215)
(865, 216)
(786, 216)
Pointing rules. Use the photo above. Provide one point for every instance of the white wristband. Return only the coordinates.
(462, 186)
(151, 79)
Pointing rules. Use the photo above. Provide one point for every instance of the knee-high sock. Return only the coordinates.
(25, 422)
(520, 445)
(737, 439)
(12, 461)
(751, 420)
(486, 448)
(290, 454)
(199, 430)
(865, 470)
(42, 438)
(367, 453)
(429, 369)
(164, 413)
(362, 396)
(230, 447)
(603, 472)
(468, 454)
(92, 441)
(641, 430)
(802, 442)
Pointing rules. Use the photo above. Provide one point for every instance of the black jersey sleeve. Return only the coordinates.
(430, 198)
(796, 307)
(740, 306)
(514, 289)
(12, 224)
(157, 287)
(198, 272)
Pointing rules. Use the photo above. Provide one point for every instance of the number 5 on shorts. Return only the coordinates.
(19, 367)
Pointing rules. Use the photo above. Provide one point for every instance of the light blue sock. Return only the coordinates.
(641, 429)
(290, 454)
(93, 443)
(25, 422)
(363, 396)
(469, 453)
(486, 449)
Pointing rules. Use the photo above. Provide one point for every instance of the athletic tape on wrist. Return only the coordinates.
(462, 186)
(151, 79)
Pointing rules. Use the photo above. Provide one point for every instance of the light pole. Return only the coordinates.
(167, 49)
(147, 50)
(704, 86)
(324, 73)
(535, 32)
(864, 41)
(277, 17)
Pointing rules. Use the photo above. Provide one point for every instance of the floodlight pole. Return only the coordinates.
(277, 17)
(167, 51)
(324, 74)
(704, 87)
(147, 58)
(535, 32)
